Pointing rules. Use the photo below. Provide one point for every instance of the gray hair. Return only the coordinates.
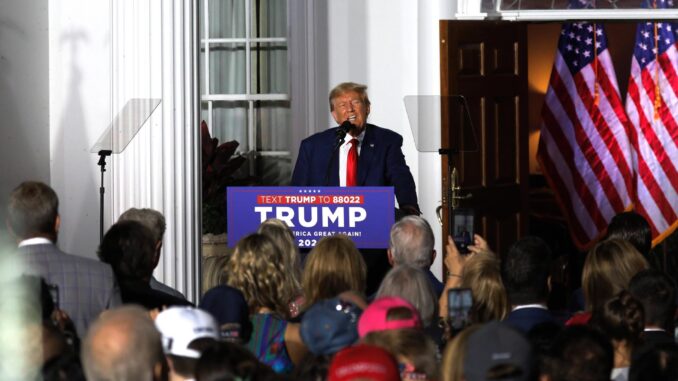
(150, 218)
(412, 241)
(122, 344)
(412, 284)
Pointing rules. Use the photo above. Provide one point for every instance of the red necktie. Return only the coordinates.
(352, 164)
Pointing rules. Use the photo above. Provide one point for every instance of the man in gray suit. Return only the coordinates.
(85, 286)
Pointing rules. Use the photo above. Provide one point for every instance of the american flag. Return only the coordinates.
(652, 109)
(584, 148)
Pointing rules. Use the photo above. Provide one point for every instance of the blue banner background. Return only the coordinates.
(370, 233)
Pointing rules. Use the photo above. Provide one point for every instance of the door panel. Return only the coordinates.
(486, 63)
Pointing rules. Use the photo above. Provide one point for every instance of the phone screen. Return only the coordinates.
(459, 303)
(463, 229)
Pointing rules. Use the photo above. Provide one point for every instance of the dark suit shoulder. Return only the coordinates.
(385, 133)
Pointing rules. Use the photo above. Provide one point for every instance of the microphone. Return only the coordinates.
(342, 131)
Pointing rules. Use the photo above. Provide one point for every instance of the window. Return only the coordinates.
(244, 82)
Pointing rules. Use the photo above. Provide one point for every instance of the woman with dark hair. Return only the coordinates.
(608, 270)
(622, 320)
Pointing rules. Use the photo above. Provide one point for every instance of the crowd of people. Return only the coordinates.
(267, 315)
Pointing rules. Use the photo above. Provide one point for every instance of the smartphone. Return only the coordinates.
(463, 229)
(459, 303)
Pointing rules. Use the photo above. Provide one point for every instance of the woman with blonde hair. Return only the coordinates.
(332, 267)
(258, 270)
(284, 238)
(482, 275)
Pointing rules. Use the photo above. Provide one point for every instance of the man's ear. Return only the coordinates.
(389, 253)
(367, 111)
(548, 284)
(433, 256)
(57, 224)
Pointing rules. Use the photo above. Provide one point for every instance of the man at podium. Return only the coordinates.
(356, 153)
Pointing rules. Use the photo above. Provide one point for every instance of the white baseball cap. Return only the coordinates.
(179, 326)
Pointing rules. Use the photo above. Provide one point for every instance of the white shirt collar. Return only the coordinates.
(35, 241)
(343, 154)
(523, 306)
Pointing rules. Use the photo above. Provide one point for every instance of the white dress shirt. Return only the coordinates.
(343, 155)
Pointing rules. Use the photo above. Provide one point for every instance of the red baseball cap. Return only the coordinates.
(363, 362)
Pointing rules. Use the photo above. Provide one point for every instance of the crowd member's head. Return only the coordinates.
(363, 362)
(186, 332)
(329, 326)
(229, 307)
(621, 319)
(349, 101)
(608, 269)
(129, 247)
(333, 266)
(482, 275)
(153, 220)
(150, 218)
(657, 293)
(258, 270)
(525, 271)
(496, 351)
(415, 353)
(388, 313)
(632, 227)
(452, 363)
(230, 362)
(123, 344)
(214, 271)
(283, 237)
(411, 243)
(411, 284)
(33, 211)
(580, 353)
(658, 363)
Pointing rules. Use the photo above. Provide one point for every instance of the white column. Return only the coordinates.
(154, 56)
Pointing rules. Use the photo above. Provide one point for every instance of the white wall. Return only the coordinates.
(24, 100)
(80, 99)
(392, 46)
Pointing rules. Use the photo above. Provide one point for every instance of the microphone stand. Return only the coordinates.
(102, 163)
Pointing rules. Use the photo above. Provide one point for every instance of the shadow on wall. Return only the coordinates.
(71, 177)
(24, 101)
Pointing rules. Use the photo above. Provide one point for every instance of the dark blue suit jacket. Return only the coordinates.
(381, 163)
(525, 319)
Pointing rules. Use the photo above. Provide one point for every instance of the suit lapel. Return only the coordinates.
(366, 154)
(333, 179)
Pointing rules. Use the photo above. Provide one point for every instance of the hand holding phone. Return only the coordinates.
(459, 303)
(463, 229)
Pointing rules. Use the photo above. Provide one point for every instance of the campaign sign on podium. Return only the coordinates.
(363, 213)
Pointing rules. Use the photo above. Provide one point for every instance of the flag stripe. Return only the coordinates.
(580, 188)
(582, 142)
(644, 173)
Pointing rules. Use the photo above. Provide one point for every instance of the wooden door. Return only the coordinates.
(486, 62)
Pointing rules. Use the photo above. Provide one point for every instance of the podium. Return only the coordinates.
(365, 214)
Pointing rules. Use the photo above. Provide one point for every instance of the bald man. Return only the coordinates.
(123, 344)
